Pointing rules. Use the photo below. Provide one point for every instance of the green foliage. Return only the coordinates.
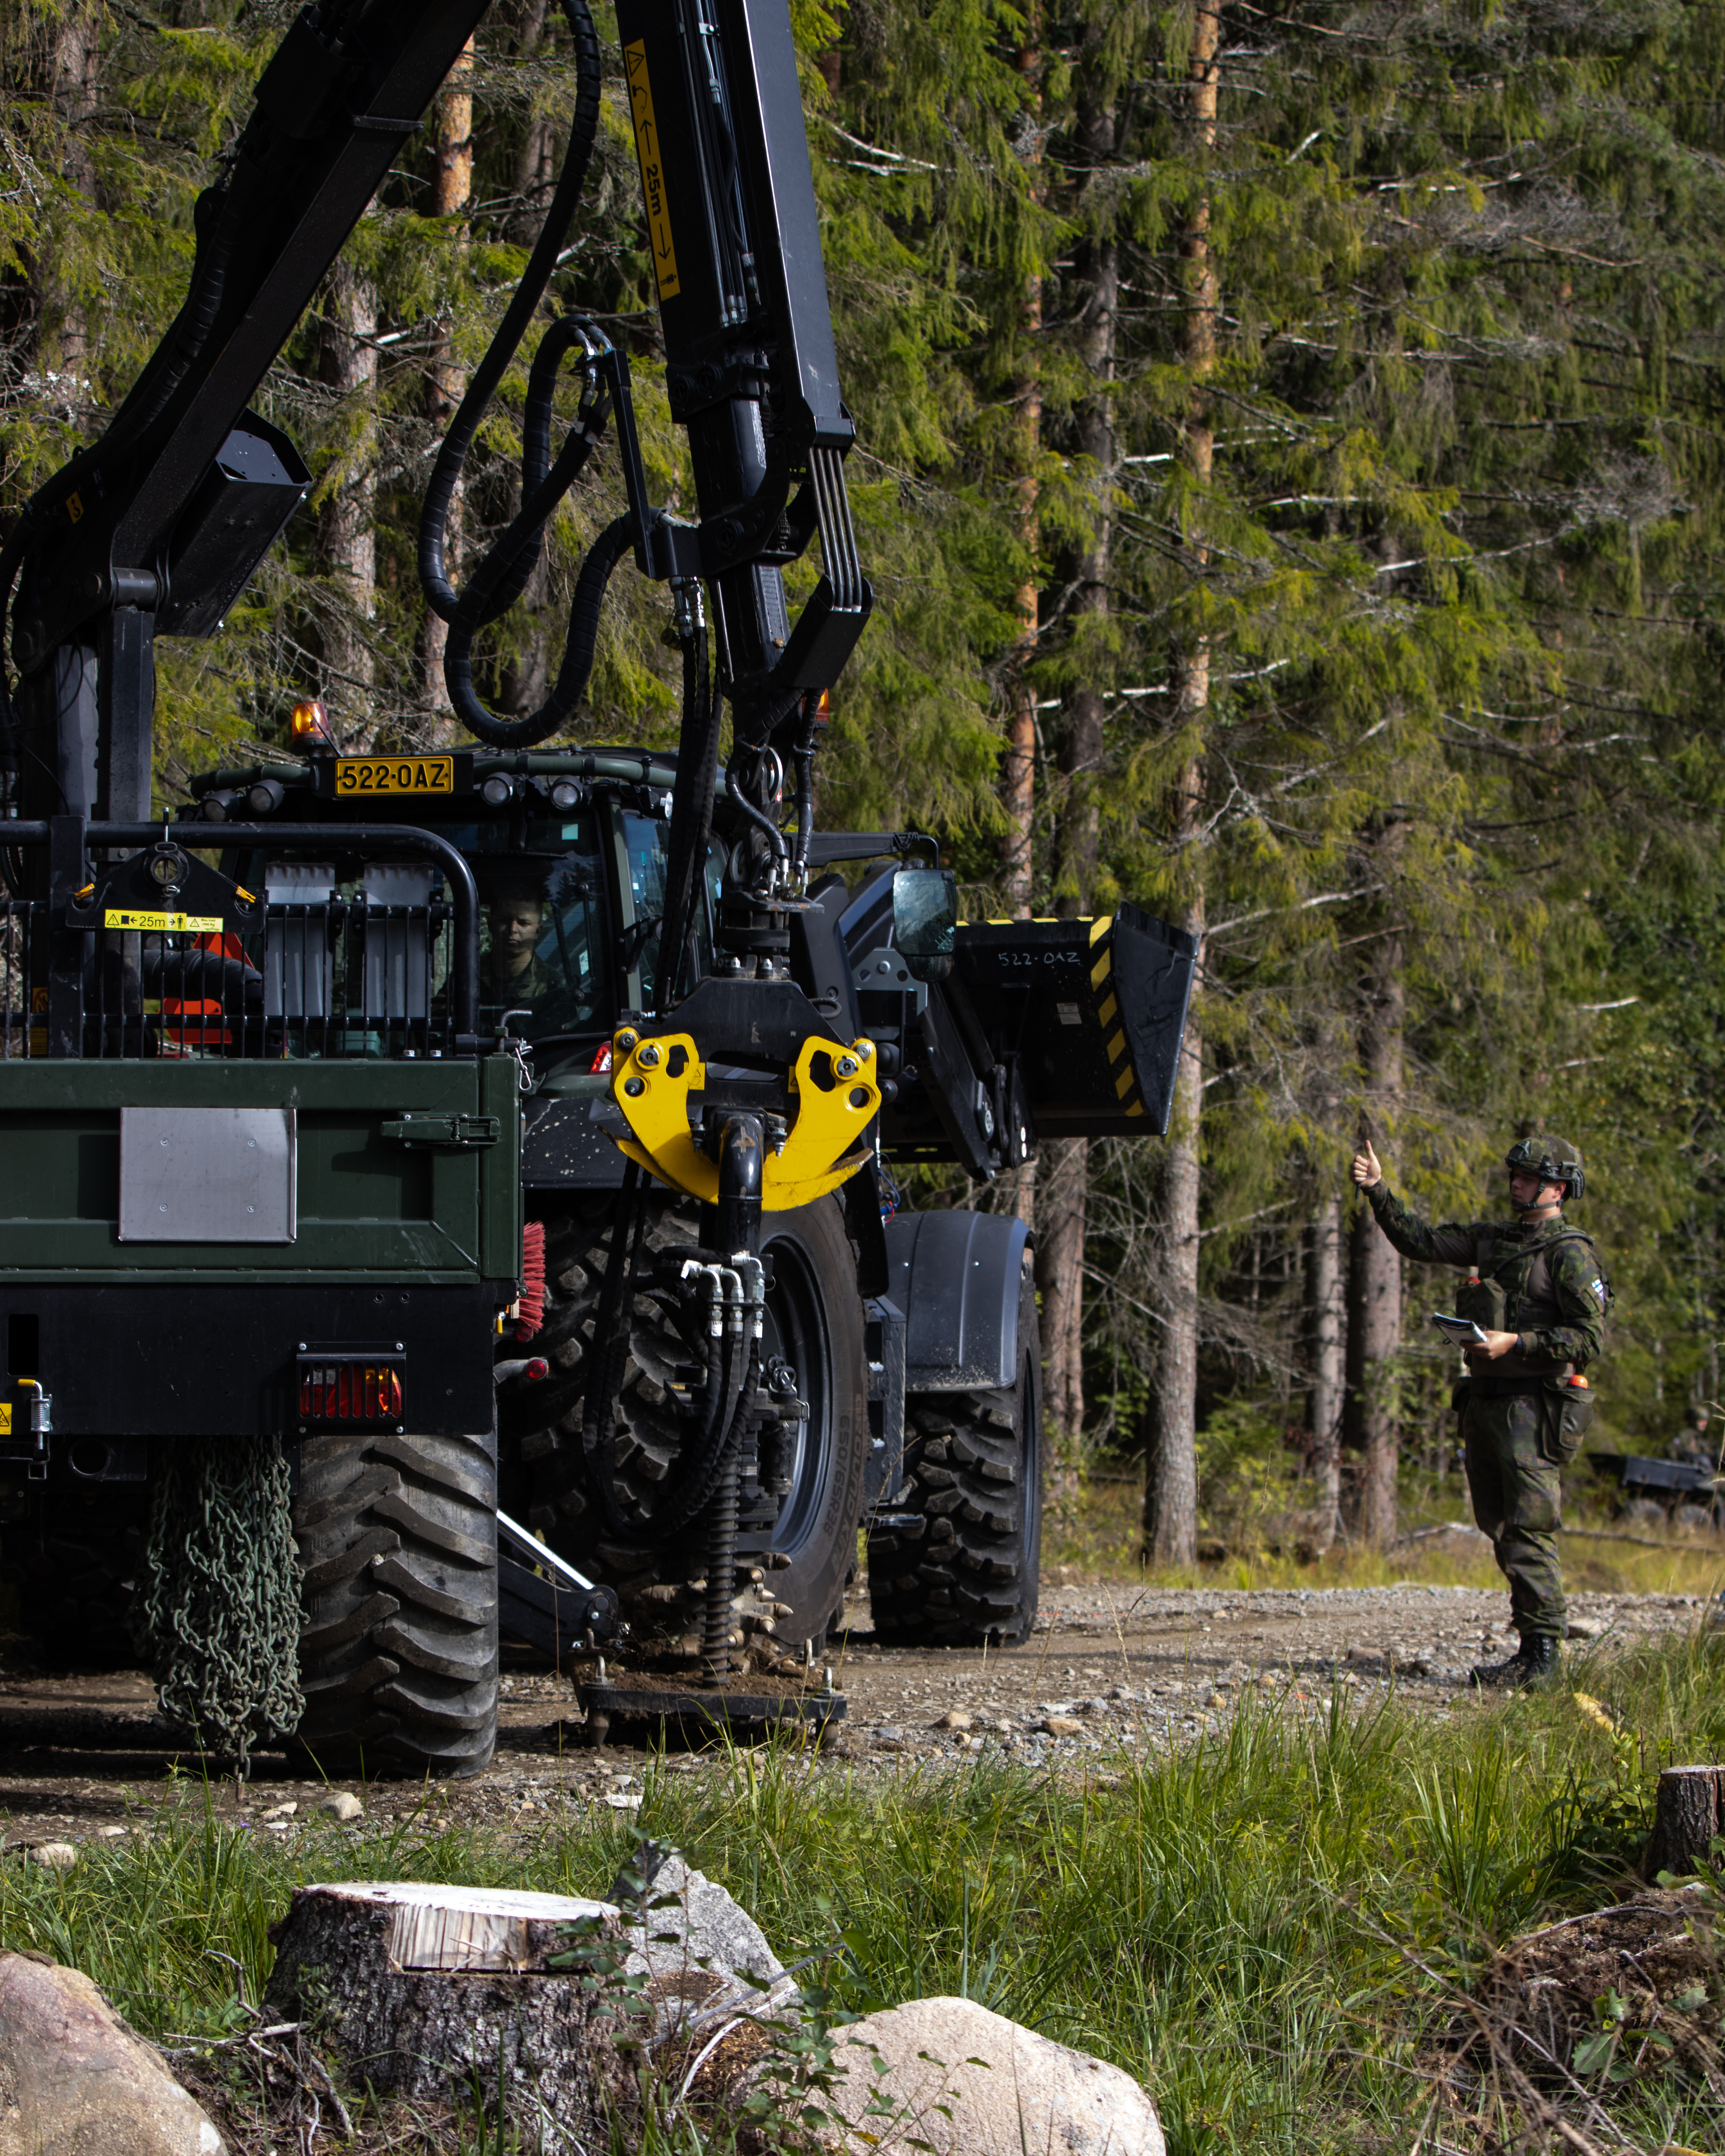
(1455, 564)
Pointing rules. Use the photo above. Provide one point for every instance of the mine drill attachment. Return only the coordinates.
(735, 1410)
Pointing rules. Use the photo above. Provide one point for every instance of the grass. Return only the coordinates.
(1102, 1539)
(1269, 1930)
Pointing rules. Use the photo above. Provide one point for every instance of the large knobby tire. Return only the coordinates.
(398, 1540)
(814, 1321)
(955, 1560)
(76, 1571)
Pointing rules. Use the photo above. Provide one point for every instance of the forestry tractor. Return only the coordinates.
(477, 1162)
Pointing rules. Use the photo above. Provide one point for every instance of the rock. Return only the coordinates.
(696, 1946)
(1060, 1725)
(55, 1855)
(955, 1718)
(1585, 1628)
(287, 1811)
(923, 2060)
(111, 1833)
(339, 1804)
(75, 2082)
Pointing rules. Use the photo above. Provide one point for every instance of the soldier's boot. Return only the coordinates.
(1534, 1660)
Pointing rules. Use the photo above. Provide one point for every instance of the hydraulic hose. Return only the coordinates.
(607, 551)
(503, 574)
(441, 594)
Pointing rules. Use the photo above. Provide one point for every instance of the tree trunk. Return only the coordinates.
(452, 190)
(1066, 1168)
(1324, 1295)
(536, 167)
(1062, 1190)
(419, 1988)
(1370, 1415)
(1688, 1815)
(1017, 767)
(1017, 774)
(1171, 1468)
(347, 363)
(76, 65)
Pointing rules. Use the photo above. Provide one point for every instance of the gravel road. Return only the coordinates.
(1113, 1672)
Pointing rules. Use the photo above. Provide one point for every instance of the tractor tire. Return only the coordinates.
(77, 1572)
(398, 1540)
(814, 1321)
(955, 1560)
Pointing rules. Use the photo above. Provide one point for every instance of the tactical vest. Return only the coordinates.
(1512, 1292)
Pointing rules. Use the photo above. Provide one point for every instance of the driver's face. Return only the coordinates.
(514, 930)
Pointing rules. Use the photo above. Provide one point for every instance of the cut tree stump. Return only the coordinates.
(427, 1991)
(1688, 1815)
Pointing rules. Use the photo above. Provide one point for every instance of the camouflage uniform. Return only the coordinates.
(525, 990)
(1517, 1428)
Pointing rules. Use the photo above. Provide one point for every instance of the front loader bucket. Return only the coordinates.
(1095, 1011)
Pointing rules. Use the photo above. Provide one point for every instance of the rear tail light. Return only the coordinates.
(359, 1391)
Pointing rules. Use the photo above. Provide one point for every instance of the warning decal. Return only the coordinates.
(659, 230)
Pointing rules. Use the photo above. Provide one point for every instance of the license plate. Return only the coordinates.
(395, 774)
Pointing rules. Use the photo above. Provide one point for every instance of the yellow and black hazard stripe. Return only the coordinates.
(1101, 987)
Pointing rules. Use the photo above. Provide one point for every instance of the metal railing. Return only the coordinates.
(378, 965)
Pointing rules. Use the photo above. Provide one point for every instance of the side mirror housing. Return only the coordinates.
(925, 920)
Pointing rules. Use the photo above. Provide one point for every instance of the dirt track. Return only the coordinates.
(1117, 1671)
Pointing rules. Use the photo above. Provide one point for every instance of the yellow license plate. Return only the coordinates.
(394, 774)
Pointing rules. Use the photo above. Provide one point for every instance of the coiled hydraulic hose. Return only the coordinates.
(502, 575)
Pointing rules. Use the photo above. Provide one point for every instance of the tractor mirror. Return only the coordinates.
(925, 920)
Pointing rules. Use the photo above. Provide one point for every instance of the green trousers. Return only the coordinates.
(1517, 1500)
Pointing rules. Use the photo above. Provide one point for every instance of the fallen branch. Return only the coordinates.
(1641, 1542)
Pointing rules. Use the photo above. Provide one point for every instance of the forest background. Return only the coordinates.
(1290, 470)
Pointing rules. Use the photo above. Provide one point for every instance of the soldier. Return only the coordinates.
(1539, 1292)
(511, 973)
(1690, 1445)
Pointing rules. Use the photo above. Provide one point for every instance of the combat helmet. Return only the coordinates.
(1552, 1159)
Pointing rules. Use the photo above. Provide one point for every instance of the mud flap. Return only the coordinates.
(956, 1276)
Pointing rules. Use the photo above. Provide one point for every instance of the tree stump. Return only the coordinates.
(1686, 1818)
(425, 1990)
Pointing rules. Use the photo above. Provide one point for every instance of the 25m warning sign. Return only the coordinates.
(647, 149)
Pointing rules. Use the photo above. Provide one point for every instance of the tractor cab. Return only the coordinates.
(352, 953)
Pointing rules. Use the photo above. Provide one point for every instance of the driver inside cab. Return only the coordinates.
(512, 976)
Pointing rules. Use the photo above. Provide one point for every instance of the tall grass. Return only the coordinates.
(1103, 1537)
(1267, 1929)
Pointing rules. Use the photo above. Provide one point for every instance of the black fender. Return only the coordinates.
(957, 1277)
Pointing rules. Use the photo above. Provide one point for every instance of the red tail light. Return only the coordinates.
(350, 1390)
(601, 1063)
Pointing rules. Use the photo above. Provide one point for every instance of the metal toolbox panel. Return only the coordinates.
(207, 1175)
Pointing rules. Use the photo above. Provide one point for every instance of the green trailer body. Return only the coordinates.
(389, 1193)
